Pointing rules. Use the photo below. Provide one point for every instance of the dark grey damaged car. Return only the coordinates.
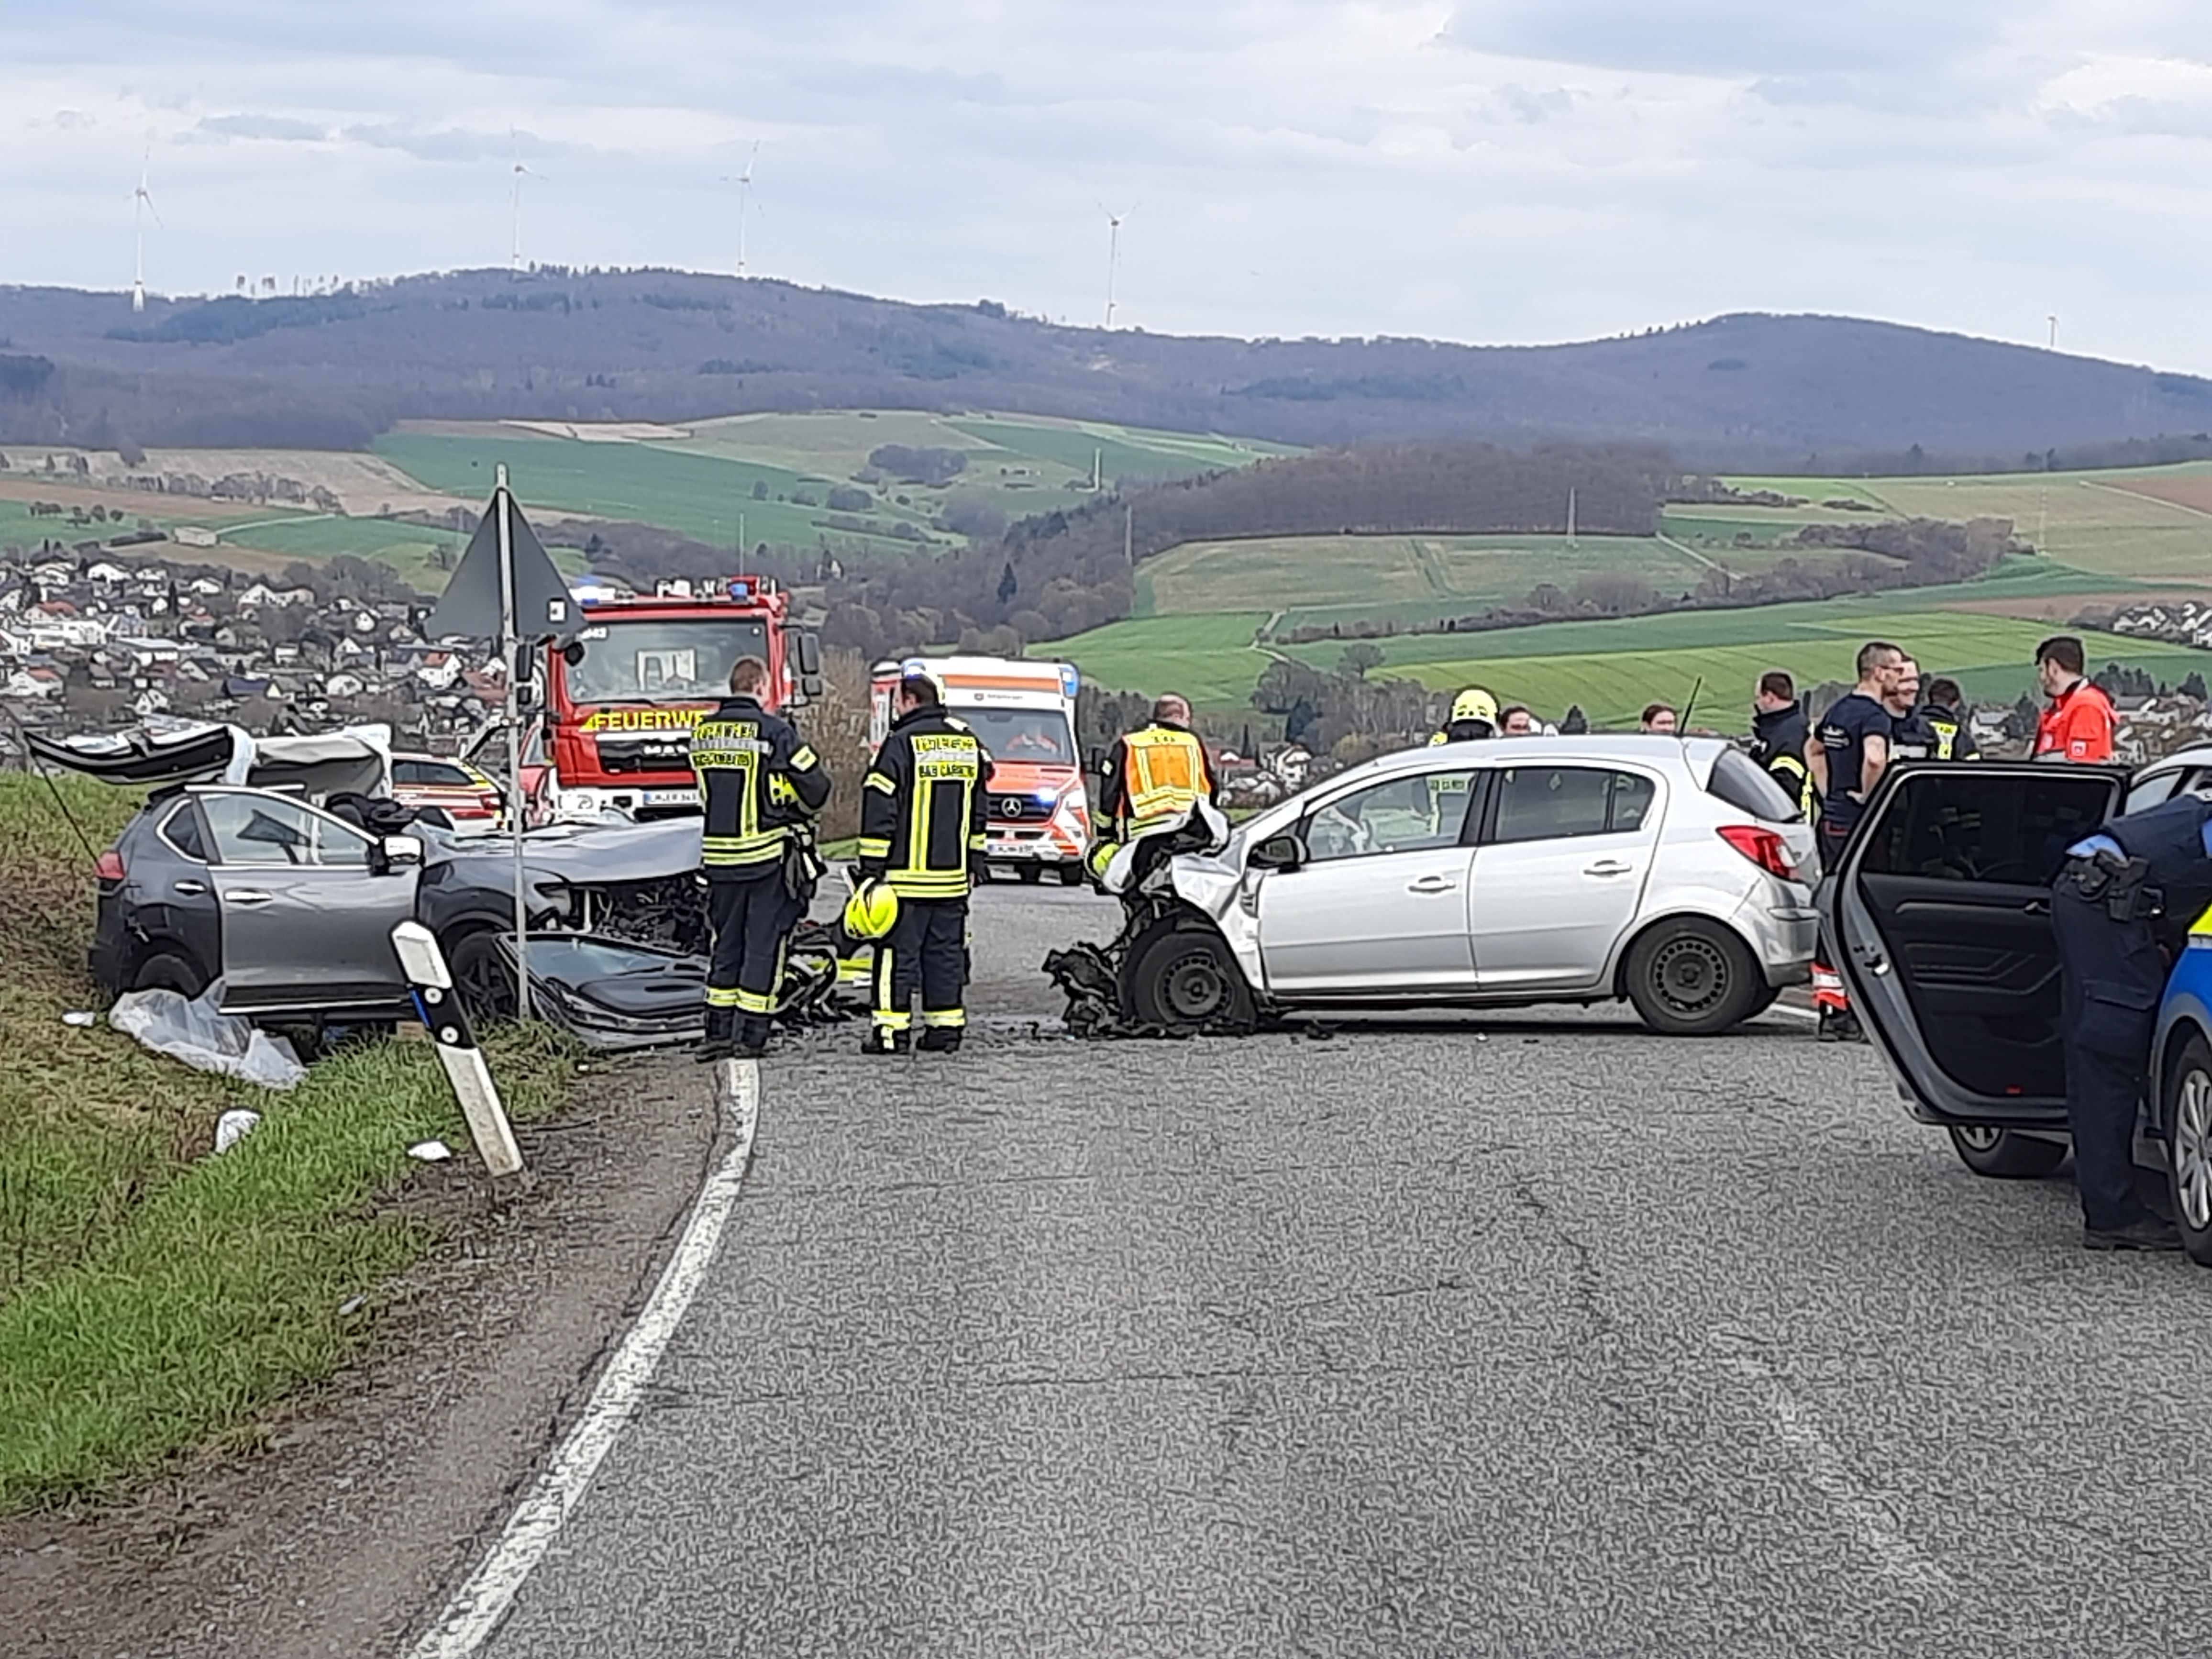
(292, 908)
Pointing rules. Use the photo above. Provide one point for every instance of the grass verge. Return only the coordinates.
(154, 1298)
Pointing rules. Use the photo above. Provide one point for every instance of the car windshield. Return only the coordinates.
(1021, 734)
(661, 658)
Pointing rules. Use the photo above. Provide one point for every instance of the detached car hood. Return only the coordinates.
(591, 852)
(355, 760)
(613, 996)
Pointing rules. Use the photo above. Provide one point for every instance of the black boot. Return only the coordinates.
(881, 1041)
(752, 1042)
(940, 1040)
(2150, 1233)
(720, 1040)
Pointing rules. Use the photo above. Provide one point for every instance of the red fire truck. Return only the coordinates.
(621, 699)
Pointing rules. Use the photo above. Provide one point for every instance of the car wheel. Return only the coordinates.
(1763, 1001)
(482, 978)
(1071, 875)
(169, 970)
(2188, 1147)
(2003, 1156)
(1183, 978)
(1031, 874)
(1692, 977)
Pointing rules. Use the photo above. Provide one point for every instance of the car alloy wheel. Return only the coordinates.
(2192, 1151)
(1691, 974)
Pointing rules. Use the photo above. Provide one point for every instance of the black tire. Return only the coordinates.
(482, 978)
(1030, 874)
(2001, 1155)
(169, 970)
(1181, 976)
(1692, 977)
(2188, 1107)
(1071, 875)
(1763, 1001)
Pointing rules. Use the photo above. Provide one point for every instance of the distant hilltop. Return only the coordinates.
(333, 370)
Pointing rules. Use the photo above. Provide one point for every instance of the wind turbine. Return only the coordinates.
(141, 203)
(744, 181)
(1113, 251)
(514, 260)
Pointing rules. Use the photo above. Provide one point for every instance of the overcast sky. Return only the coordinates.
(1493, 170)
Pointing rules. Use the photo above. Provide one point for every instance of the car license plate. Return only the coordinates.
(672, 798)
(1004, 849)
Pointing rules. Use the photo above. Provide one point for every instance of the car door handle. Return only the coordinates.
(247, 897)
(1608, 868)
(191, 889)
(1431, 885)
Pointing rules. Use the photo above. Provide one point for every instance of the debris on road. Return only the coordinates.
(430, 1151)
(195, 1030)
(80, 1016)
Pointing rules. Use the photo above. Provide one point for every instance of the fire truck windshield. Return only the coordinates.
(662, 659)
(1021, 734)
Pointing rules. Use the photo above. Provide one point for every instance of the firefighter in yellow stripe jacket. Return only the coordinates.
(921, 832)
(759, 785)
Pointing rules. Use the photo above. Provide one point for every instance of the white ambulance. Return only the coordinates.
(1023, 712)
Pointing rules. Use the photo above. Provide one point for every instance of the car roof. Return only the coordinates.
(1594, 748)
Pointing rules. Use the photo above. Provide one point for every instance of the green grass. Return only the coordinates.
(2088, 520)
(413, 551)
(701, 495)
(1073, 446)
(18, 529)
(154, 1299)
(1613, 668)
(1209, 658)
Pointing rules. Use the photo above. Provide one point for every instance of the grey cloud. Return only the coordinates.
(452, 144)
(1731, 37)
(262, 126)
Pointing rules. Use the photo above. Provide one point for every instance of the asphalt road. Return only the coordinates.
(1526, 1335)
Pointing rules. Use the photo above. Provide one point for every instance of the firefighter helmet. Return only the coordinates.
(872, 911)
(1474, 704)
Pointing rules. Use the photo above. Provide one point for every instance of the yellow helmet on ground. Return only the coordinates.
(1474, 704)
(872, 911)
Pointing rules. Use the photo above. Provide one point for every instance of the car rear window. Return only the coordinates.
(441, 774)
(1961, 824)
(1746, 784)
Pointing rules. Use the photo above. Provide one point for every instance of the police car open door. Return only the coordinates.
(1939, 920)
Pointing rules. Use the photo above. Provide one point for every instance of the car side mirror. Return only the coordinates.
(810, 685)
(397, 852)
(806, 647)
(1284, 851)
(573, 652)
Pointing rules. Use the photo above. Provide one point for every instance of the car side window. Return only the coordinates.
(249, 829)
(1412, 814)
(1550, 803)
(181, 830)
(406, 772)
(1958, 825)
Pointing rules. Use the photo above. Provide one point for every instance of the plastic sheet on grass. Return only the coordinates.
(197, 1032)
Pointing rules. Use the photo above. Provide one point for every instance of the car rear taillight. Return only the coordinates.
(109, 865)
(1763, 847)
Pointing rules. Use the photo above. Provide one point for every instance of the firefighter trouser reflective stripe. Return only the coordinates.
(752, 920)
(928, 952)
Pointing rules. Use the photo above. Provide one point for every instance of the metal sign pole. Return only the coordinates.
(512, 645)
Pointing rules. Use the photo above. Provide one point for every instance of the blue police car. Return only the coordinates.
(1940, 917)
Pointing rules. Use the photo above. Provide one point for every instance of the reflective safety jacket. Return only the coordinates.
(1954, 739)
(921, 806)
(1777, 744)
(757, 780)
(1153, 775)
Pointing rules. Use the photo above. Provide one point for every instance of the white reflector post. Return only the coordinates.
(448, 1025)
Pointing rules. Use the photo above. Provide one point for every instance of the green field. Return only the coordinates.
(410, 549)
(1613, 668)
(2089, 519)
(705, 496)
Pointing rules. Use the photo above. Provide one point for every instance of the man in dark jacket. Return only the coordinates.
(1778, 732)
(759, 785)
(1943, 714)
(921, 831)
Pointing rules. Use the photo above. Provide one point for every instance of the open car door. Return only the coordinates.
(1940, 915)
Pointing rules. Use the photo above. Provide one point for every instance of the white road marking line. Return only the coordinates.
(1894, 1554)
(476, 1609)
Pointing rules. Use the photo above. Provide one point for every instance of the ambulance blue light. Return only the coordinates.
(1069, 681)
